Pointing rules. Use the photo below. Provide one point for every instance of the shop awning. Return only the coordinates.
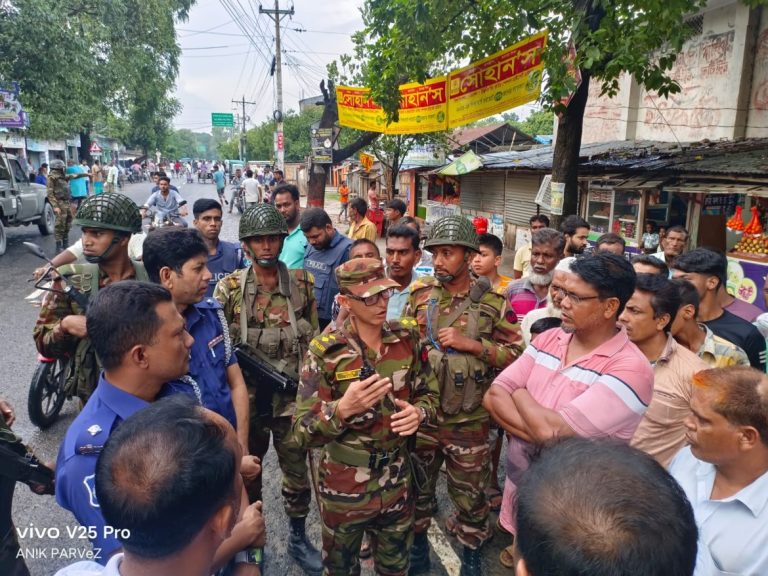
(719, 188)
(639, 184)
(464, 164)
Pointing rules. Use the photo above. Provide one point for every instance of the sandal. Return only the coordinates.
(495, 497)
(507, 557)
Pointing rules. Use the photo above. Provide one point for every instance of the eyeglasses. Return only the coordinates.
(371, 300)
(575, 298)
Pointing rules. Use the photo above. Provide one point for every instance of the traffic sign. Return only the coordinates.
(223, 119)
(94, 148)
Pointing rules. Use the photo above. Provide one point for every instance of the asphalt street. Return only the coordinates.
(50, 539)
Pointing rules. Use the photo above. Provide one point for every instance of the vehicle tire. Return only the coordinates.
(46, 392)
(3, 239)
(47, 221)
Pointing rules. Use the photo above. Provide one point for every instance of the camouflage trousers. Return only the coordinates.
(11, 563)
(291, 458)
(385, 513)
(63, 220)
(464, 449)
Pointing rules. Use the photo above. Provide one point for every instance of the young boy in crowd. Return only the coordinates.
(487, 262)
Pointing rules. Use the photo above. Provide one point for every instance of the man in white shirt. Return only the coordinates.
(724, 471)
(112, 176)
(252, 189)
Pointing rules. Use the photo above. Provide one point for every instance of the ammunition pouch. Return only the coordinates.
(463, 380)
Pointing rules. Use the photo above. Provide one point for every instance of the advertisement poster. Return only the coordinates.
(11, 113)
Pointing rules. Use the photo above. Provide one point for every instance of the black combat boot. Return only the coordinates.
(472, 563)
(301, 549)
(420, 563)
(59, 246)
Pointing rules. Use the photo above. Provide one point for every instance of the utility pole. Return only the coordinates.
(242, 133)
(277, 15)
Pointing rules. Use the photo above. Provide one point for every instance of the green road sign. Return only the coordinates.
(223, 119)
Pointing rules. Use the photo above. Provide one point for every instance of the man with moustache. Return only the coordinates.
(575, 229)
(530, 292)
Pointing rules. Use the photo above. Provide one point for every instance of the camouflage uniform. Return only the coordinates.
(461, 435)
(272, 412)
(58, 196)
(109, 212)
(365, 479)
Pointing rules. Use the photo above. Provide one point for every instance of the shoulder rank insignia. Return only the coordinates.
(348, 374)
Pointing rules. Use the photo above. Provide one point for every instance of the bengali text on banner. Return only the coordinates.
(504, 80)
(422, 108)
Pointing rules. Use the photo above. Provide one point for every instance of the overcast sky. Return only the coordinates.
(219, 63)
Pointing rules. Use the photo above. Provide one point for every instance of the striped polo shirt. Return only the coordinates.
(603, 394)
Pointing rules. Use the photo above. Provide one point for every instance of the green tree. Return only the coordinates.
(391, 151)
(538, 123)
(105, 64)
(415, 39)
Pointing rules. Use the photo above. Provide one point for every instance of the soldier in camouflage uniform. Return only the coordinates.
(470, 334)
(59, 198)
(364, 391)
(272, 316)
(107, 222)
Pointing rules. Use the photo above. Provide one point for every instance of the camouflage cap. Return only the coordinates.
(363, 277)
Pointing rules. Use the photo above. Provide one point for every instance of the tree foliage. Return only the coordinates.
(86, 63)
(538, 123)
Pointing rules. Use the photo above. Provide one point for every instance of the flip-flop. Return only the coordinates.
(507, 557)
(495, 497)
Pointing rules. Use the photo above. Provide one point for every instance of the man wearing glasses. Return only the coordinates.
(364, 389)
(584, 379)
(469, 334)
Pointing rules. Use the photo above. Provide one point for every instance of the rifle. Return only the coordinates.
(265, 372)
(27, 469)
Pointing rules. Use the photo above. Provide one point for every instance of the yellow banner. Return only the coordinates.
(497, 83)
(422, 108)
(494, 84)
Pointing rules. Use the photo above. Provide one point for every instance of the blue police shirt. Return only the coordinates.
(323, 264)
(207, 360)
(228, 258)
(76, 463)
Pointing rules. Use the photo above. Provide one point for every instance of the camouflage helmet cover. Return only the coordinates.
(111, 211)
(453, 230)
(262, 220)
(363, 277)
(56, 164)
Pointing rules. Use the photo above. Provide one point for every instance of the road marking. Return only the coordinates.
(443, 550)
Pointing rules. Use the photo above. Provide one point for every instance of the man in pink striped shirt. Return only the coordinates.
(584, 379)
(530, 293)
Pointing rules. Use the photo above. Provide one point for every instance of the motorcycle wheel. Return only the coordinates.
(46, 392)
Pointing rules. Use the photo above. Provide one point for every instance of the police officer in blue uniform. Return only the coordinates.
(137, 363)
(176, 258)
(142, 340)
(328, 249)
(223, 257)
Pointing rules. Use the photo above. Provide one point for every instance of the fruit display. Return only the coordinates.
(752, 244)
(754, 226)
(736, 222)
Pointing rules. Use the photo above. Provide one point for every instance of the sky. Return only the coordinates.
(219, 62)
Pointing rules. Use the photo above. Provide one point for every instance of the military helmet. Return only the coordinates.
(453, 230)
(111, 211)
(57, 164)
(262, 220)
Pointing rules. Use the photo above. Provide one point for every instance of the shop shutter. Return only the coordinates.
(471, 191)
(492, 194)
(520, 198)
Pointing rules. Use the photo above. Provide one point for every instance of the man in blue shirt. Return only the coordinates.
(327, 249)
(42, 177)
(223, 257)
(78, 187)
(220, 180)
(142, 342)
(176, 259)
(286, 198)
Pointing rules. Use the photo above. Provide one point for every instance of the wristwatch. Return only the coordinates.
(249, 556)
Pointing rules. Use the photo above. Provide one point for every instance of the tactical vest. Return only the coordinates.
(282, 347)
(462, 378)
(85, 369)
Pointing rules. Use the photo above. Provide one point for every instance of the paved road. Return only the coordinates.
(48, 526)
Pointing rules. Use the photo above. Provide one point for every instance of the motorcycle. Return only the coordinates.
(48, 389)
(239, 198)
(158, 218)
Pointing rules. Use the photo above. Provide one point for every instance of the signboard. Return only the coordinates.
(556, 198)
(437, 210)
(94, 148)
(74, 142)
(322, 145)
(280, 141)
(422, 108)
(11, 113)
(366, 160)
(497, 83)
(223, 119)
(464, 164)
(494, 84)
(36, 145)
(425, 155)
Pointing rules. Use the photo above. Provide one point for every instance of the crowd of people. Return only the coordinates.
(631, 393)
